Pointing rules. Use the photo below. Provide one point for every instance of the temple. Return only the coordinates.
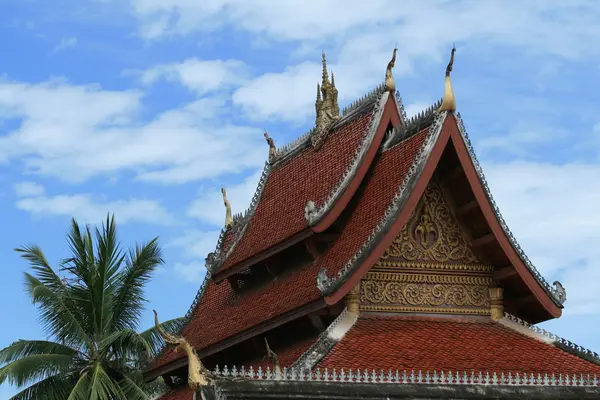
(373, 263)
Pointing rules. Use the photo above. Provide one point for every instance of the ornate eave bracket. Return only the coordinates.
(314, 214)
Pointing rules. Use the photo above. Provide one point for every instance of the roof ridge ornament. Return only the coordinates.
(198, 375)
(390, 83)
(228, 217)
(272, 148)
(326, 106)
(449, 102)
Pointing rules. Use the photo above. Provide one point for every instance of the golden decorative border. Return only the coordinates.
(427, 310)
(424, 278)
(434, 266)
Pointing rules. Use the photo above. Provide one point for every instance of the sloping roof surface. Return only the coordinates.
(436, 344)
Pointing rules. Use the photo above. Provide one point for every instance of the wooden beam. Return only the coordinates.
(467, 207)
(317, 322)
(311, 247)
(483, 240)
(326, 237)
(520, 301)
(504, 273)
(220, 275)
(452, 175)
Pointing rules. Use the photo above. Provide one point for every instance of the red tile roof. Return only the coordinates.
(310, 175)
(429, 343)
(217, 318)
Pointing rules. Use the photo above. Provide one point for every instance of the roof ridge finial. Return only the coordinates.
(332, 80)
(390, 83)
(449, 102)
(228, 217)
(325, 74)
(272, 148)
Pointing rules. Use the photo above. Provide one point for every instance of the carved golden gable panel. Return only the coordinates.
(429, 268)
(432, 234)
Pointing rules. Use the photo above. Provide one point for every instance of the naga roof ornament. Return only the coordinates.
(449, 102)
(272, 148)
(326, 106)
(198, 375)
(228, 217)
(390, 83)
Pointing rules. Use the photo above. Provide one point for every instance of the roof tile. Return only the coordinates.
(435, 344)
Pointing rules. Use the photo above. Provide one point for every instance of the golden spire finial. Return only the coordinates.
(272, 148)
(332, 79)
(325, 77)
(228, 217)
(390, 83)
(449, 102)
(196, 371)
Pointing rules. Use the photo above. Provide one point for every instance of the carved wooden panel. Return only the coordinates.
(432, 234)
(429, 268)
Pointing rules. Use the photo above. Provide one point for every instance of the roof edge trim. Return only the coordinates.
(525, 328)
(348, 113)
(328, 285)
(314, 213)
(556, 292)
(326, 341)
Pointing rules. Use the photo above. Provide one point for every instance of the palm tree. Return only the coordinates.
(92, 318)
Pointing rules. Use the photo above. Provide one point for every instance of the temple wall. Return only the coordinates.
(429, 268)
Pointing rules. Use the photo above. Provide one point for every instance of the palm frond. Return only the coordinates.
(44, 272)
(31, 369)
(129, 301)
(124, 344)
(25, 348)
(102, 387)
(58, 318)
(52, 388)
(132, 389)
(81, 389)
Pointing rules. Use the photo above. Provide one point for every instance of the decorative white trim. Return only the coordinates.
(557, 292)
(315, 213)
(332, 335)
(410, 377)
(327, 284)
(536, 332)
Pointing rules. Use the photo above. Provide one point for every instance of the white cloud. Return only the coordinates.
(552, 211)
(554, 26)
(77, 132)
(87, 209)
(65, 43)
(209, 208)
(26, 189)
(193, 271)
(202, 76)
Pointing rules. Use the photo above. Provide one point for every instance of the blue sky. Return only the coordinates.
(146, 107)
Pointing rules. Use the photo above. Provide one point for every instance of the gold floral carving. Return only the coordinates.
(422, 278)
(437, 310)
(436, 295)
(432, 234)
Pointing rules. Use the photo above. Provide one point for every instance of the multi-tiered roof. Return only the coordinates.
(373, 241)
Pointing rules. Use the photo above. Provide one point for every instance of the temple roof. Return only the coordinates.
(368, 180)
(448, 344)
(295, 290)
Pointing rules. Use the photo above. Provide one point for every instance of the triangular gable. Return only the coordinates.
(429, 267)
(446, 133)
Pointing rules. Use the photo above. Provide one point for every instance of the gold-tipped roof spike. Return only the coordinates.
(197, 373)
(390, 83)
(271, 356)
(326, 106)
(272, 148)
(449, 102)
(228, 217)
